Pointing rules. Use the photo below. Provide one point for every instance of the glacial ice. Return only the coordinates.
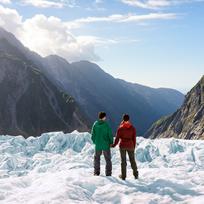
(58, 168)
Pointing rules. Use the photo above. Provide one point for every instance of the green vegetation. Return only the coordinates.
(68, 99)
(161, 120)
(36, 70)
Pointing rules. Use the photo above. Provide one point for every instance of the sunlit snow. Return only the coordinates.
(58, 168)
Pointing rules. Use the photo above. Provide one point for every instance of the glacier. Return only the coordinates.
(57, 168)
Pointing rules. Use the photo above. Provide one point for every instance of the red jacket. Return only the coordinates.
(126, 134)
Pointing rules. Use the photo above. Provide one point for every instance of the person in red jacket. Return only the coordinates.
(126, 135)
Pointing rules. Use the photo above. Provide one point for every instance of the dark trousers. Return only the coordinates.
(97, 158)
(131, 154)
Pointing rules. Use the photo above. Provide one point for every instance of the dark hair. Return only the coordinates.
(126, 117)
(101, 115)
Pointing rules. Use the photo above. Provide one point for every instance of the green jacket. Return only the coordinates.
(101, 135)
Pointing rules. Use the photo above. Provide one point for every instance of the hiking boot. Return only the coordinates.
(96, 174)
(136, 175)
(121, 177)
(108, 174)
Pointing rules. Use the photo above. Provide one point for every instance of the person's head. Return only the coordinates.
(126, 117)
(102, 116)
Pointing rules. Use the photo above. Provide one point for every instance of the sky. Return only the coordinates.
(158, 43)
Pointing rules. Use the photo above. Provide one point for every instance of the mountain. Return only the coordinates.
(95, 90)
(162, 100)
(187, 122)
(30, 103)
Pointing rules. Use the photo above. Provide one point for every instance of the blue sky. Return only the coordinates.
(158, 43)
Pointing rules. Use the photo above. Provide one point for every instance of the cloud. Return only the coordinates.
(50, 3)
(150, 16)
(51, 35)
(118, 18)
(5, 1)
(44, 3)
(10, 19)
(148, 4)
(156, 4)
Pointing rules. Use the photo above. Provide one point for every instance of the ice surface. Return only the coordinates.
(58, 168)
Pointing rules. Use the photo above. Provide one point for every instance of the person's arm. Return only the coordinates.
(93, 134)
(117, 138)
(134, 137)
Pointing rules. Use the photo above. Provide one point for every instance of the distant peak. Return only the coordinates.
(5, 34)
(3, 30)
(87, 65)
(56, 58)
(84, 62)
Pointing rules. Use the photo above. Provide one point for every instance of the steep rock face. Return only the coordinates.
(30, 104)
(187, 122)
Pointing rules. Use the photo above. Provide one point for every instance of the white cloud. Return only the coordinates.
(51, 35)
(156, 4)
(50, 3)
(10, 19)
(148, 4)
(118, 18)
(44, 3)
(150, 16)
(5, 1)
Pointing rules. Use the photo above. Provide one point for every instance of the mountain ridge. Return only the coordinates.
(187, 122)
(95, 90)
(30, 104)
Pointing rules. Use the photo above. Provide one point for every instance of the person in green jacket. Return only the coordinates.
(102, 137)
